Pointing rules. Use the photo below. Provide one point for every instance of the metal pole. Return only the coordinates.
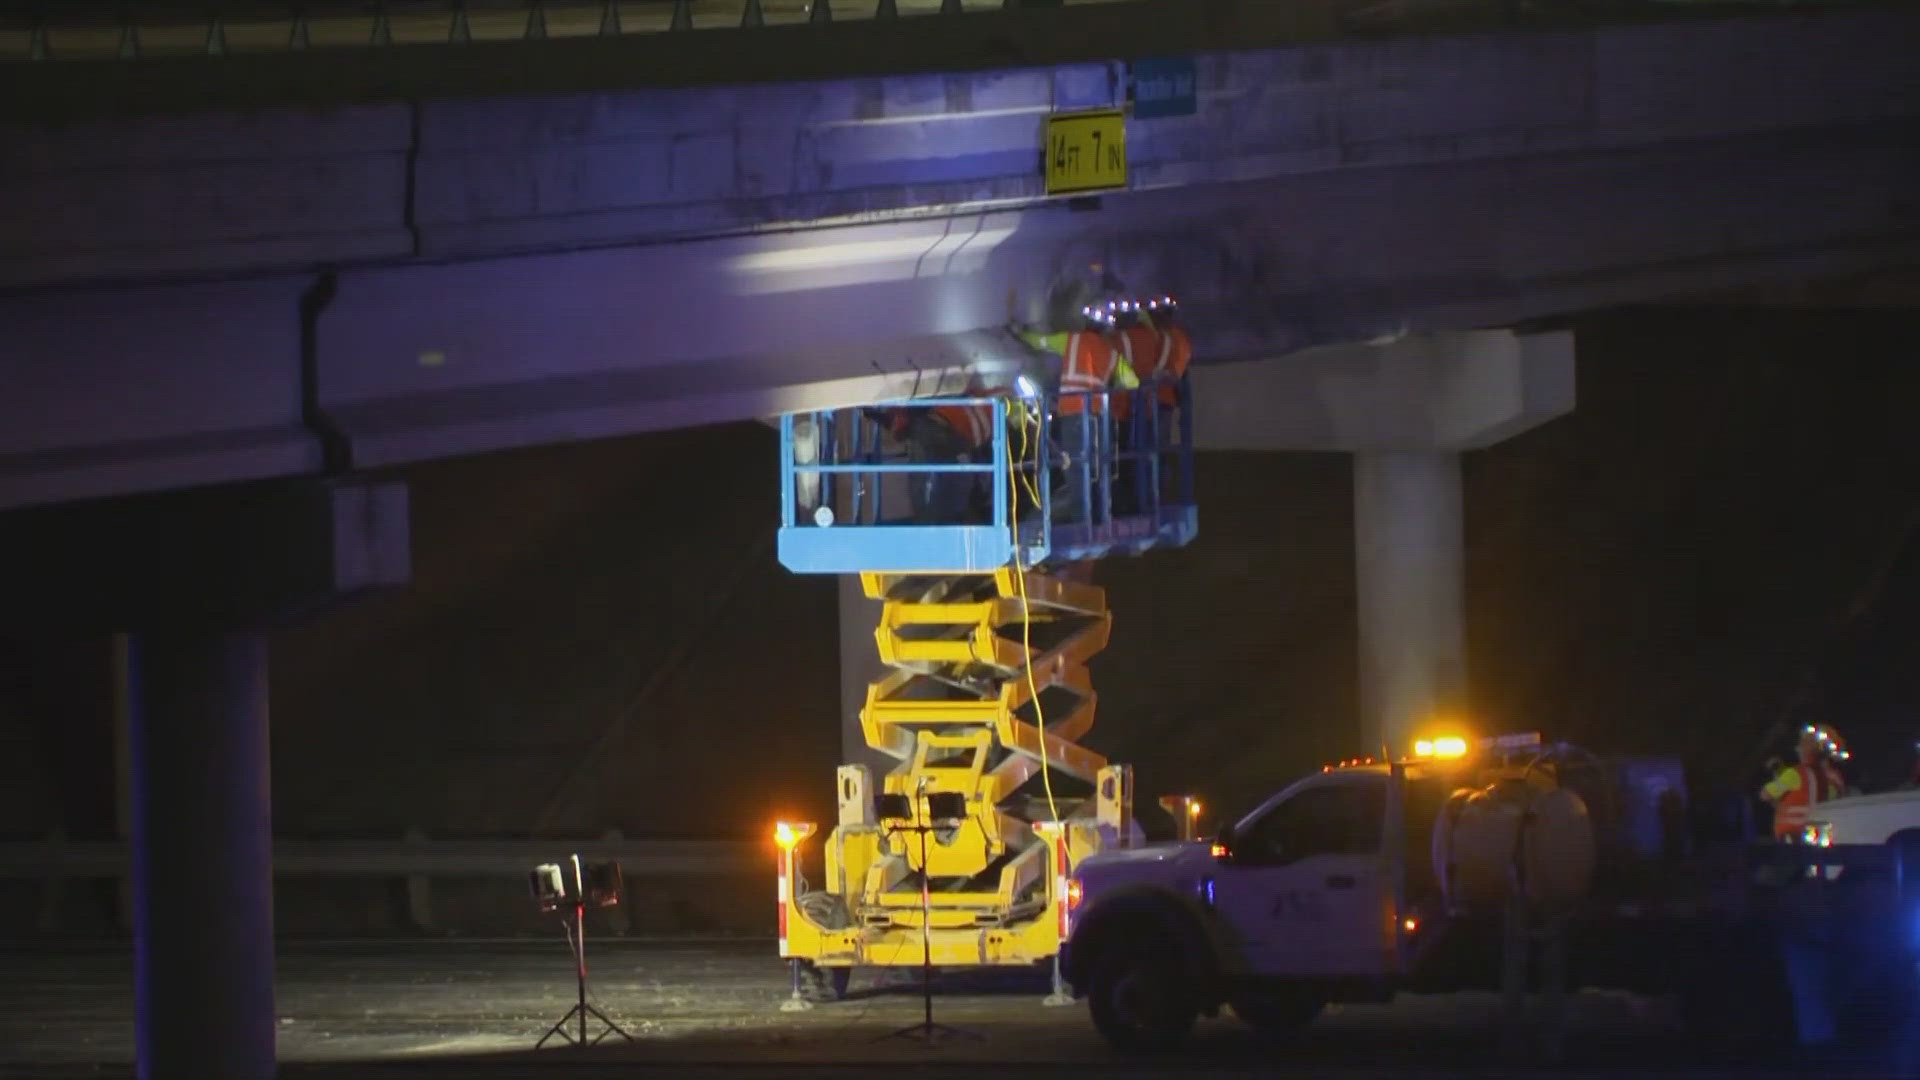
(1002, 460)
(580, 945)
(1159, 455)
(788, 478)
(1184, 396)
(580, 972)
(1043, 475)
(1086, 463)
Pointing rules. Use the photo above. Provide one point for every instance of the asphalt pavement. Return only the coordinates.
(712, 1008)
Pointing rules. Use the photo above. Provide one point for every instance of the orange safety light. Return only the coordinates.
(1446, 746)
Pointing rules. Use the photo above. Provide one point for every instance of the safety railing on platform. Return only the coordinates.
(966, 483)
(414, 861)
(45, 30)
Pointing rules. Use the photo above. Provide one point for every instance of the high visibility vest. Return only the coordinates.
(1088, 362)
(973, 423)
(1176, 351)
(1795, 791)
(1154, 355)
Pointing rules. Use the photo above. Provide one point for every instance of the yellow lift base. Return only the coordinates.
(958, 712)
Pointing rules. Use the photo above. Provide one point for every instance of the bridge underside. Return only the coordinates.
(225, 297)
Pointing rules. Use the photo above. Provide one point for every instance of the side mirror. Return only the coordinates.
(1223, 843)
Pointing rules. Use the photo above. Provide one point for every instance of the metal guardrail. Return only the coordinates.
(116, 29)
(415, 861)
(400, 858)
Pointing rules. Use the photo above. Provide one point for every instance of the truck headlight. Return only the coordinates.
(1817, 834)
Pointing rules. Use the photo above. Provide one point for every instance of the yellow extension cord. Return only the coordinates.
(1026, 612)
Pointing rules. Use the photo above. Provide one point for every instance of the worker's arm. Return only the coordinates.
(1055, 343)
(1784, 781)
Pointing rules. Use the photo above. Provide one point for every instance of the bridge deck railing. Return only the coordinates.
(115, 29)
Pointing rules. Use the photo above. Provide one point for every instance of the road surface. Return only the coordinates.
(711, 1008)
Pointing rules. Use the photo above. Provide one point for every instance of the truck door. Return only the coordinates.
(1309, 888)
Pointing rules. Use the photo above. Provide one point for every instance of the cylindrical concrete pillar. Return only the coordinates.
(202, 855)
(1408, 533)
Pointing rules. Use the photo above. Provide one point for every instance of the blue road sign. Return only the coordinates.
(1166, 87)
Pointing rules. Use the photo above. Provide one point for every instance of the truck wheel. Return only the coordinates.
(1276, 1015)
(1139, 998)
(824, 984)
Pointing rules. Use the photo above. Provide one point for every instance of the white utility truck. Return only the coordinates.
(1463, 867)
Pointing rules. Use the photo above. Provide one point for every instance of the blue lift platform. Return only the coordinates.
(840, 514)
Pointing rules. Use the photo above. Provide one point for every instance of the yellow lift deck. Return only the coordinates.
(987, 626)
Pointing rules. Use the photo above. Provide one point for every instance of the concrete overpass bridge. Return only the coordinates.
(426, 277)
(233, 283)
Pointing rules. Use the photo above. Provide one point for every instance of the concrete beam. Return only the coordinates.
(1445, 391)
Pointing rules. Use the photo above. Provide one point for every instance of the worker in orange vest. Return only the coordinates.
(1091, 364)
(1169, 365)
(1156, 348)
(1814, 778)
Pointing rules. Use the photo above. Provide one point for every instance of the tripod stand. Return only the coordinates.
(926, 1030)
(577, 938)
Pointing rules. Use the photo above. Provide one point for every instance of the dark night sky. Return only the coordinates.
(1657, 571)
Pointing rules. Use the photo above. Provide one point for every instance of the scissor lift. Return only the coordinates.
(988, 635)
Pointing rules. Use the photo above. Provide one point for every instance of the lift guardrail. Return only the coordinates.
(855, 499)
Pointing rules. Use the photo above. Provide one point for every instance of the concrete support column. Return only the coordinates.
(859, 666)
(202, 855)
(1408, 535)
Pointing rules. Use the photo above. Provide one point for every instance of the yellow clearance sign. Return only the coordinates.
(1086, 151)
